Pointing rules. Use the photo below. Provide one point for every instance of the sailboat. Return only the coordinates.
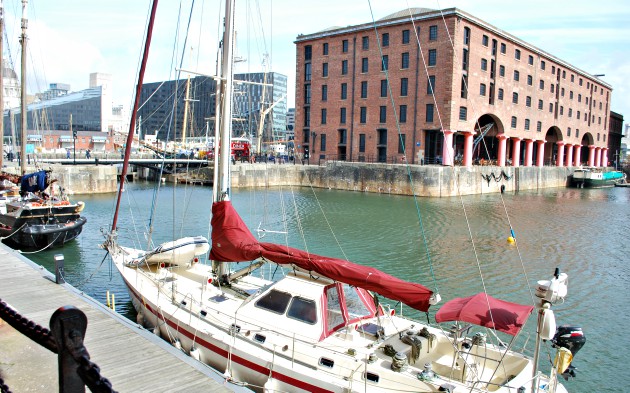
(324, 326)
(30, 217)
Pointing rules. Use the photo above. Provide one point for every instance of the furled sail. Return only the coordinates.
(484, 310)
(233, 242)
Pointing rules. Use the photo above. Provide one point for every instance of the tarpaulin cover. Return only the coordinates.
(484, 310)
(233, 242)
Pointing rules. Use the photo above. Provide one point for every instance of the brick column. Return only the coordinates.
(569, 155)
(516, 151)
(502, 144)
(598, 156)
(578, 152)
(591, 155)
(447, 148)
(468, 147)
(560, 158)
(540, 158)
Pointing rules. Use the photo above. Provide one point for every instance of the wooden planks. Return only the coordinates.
(133, 359)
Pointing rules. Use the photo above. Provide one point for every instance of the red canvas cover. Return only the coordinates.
(482, 309)
(233, 242)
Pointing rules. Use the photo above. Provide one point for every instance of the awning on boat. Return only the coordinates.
(233, 242)
(484, 310)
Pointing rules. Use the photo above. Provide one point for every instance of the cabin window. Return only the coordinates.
(371, 377)
(274, 301)
(303, 310)
(334, 315)
(326, 362)
(356, 307)
(260, 338)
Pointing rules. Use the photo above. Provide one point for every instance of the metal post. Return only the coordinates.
(59, 269)
(68, 325)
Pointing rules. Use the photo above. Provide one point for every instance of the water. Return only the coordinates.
(581, 231)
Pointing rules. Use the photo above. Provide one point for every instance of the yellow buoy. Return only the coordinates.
(511, 240)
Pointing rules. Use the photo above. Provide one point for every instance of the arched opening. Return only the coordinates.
(485, 146)
(552, 137)
(587, 140)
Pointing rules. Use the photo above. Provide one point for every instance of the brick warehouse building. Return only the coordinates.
(496, 98)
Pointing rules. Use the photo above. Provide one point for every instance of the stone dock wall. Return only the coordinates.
(427, 180)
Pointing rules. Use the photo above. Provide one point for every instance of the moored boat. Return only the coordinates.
(35, 220)
(596, 178)
(324, 325)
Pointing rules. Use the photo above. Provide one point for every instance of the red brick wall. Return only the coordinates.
(448, 73)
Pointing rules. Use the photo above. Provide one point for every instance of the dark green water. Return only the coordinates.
(584, 232)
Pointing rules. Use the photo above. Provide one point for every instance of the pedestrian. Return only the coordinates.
(68, 154)
(87, 154)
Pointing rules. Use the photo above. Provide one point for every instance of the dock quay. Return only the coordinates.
(130, 357)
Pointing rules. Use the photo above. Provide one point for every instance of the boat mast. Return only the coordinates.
(23, 108)
(221, 188)
(2, 80)
(186, 100)
(134, 112)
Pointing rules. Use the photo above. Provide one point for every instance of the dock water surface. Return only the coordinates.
(132, 358)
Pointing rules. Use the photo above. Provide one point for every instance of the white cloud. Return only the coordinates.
(70, 39)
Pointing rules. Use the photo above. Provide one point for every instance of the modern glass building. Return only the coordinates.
(164, 103)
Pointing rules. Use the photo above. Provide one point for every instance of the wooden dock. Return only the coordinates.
(133, 359)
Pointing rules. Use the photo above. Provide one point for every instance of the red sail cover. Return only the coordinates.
(233, 242)
(482, 309)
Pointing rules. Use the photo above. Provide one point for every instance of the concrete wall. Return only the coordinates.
(430, 181)
(77, 179)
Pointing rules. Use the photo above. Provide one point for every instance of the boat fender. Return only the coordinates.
(156, 331)
(548, 324)
(177, 344)
(195, 353)
(270, 386)
(140, 319)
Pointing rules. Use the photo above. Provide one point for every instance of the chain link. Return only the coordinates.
(30, 329)
(87, 370)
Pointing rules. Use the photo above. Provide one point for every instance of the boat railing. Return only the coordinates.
(293, 347)
(68, 325)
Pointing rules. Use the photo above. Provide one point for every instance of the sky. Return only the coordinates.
(69, 39)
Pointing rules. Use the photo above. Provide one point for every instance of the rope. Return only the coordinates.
(34, 252)
(14, 232)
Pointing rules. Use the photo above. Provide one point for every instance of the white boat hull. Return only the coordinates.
(282, 362)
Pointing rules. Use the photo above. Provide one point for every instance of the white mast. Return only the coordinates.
(221, 187)
(23, 108)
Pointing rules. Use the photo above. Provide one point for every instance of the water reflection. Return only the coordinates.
(580, 230)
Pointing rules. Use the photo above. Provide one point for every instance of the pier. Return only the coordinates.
(130, 357)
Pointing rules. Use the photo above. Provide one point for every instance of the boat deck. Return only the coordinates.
(133, 359)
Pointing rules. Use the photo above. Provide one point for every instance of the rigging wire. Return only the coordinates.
(500, 194)
(406, 163)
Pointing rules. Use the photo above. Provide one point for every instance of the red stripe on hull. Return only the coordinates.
(222, 352)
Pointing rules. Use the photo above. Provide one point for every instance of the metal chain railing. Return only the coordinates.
(65, 338)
